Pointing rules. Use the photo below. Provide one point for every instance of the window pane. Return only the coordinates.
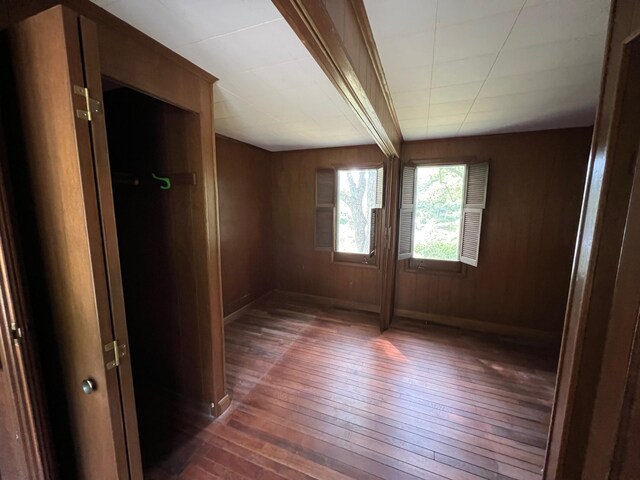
(438, 208)
(356, 198)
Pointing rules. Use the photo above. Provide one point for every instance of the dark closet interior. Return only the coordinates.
(150, 147)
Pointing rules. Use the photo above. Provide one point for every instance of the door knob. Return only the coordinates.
(88, 386)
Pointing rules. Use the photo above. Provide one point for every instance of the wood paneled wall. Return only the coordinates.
(298, 267)
(4, 15)
(244, 182)
(528, 231)
(535, 191)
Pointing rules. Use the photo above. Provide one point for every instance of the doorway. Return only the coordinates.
(150, 146)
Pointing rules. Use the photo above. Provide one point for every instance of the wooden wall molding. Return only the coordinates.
(372, 49)
(523, 335)
(339, 37)
(221, 406)
(232, 317)
(390, 244)
(326, 301)
(219, 136)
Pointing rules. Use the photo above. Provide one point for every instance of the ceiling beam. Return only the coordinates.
(338, 35)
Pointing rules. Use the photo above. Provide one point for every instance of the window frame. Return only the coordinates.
(432, 266)
(363, 260)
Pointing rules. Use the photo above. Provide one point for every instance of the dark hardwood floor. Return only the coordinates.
(320, 393)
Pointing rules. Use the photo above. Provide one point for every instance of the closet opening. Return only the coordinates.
(154, 150)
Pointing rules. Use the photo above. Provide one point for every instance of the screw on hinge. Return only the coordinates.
(16, 333)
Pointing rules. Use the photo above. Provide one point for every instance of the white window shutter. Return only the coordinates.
(470, 241)
(405, 234)
(476, 190)
(325, 187)
(324, 229)
(325, 204)
(379, 188)
(475, 202)
(407, 212)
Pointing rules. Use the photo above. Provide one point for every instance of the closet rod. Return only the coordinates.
(125, 179)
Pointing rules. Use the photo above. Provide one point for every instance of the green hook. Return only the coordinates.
(166, 180)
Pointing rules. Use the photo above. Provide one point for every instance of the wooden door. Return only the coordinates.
(623, 398)
(51, 71)
(23, 440)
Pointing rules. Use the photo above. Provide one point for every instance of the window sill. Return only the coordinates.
(436, 267)
(355, 260)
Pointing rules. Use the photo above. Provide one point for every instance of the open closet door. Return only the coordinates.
(56, 112)
(23, 440)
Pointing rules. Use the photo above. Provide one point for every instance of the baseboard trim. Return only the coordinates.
(329, 301)
(220, 407)
(232, 317)
(522, 334)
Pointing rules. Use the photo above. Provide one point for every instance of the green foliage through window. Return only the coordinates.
(439, 196)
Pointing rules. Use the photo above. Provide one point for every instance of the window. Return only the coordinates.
(441, 212)
(438, 210)
(356, 199)
(348, 202)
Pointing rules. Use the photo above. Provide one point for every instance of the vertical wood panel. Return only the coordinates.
(4, 15)
(244, 181)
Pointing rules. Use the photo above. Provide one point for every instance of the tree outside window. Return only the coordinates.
(356, 198)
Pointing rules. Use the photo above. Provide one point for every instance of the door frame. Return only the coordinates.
(133, 62)
(622, 320)
(598, 247)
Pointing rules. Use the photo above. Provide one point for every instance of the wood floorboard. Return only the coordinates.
(499, 407)
(442, 415)
(318, 392)
(394, 433)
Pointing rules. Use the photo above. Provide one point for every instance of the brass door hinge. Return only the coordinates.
(16, 334)
(119, 351)
(93, 106)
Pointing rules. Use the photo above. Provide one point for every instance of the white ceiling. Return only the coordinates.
(271, 92)
(472, 67)
(454, 67)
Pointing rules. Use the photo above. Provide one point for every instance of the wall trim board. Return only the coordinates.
(350, 65)
(235, 140)
(328, 301)
(521, 334)
(233, 316)
(221, 406)
(360, 13)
